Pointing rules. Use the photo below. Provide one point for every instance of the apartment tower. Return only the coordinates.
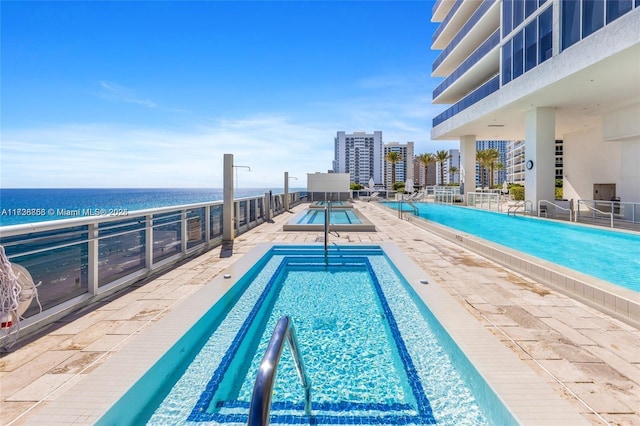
(539, 71)
(361, 155)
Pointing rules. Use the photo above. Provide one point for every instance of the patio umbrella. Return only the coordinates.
(371, 185)
(408, 185)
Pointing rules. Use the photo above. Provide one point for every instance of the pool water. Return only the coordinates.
(373, 352)
(337, 217)
(609, 255)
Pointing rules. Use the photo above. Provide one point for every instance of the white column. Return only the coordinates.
(286, 191)
(468, 163)
(228, 232)
(539, 149)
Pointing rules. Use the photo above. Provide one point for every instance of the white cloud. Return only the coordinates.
(102, 155)
(115, 92)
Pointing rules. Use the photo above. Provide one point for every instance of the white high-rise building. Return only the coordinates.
(404, 168)
(361, 155)
(539, 71)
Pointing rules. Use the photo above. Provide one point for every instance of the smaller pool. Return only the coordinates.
(334, 205)
(340, 219)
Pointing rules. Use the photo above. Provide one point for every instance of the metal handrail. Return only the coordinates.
(557, 206)
(514, 209)
(416, 212)
(595, 210)
(263, 386)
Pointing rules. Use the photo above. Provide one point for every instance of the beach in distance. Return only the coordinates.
(19, 206)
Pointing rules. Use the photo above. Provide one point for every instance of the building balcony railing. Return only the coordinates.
(462, 33)
(82, 260)
(477, 95)
(446, 20)
(488, 45)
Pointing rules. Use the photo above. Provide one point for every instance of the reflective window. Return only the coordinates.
(545, 39)
(592, 16)
(518, 13)
(507, 11)
(530, 6)
(518, 55)
(617, 8)
(570, 16)
(506, 63)
(531, 44)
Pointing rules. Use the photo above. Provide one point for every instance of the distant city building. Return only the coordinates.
(515, 165)
(361, 155)
(540, 72)
(422, 176)
(451, 168)
(404, 168)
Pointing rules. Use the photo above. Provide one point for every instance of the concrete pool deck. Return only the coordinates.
(590, 359)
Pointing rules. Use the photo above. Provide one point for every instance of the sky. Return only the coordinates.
(152, 94)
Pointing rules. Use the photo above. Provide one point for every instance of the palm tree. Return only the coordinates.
(453, 170)
(498, 167)
(493, 155)
(394, 158)
(482, 160)
(441, 157)
(425, 160)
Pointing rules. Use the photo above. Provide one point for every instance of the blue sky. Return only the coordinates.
(152, 94)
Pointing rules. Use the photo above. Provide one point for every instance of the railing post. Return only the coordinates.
(148, 242)
(92, 258)
(184, 237)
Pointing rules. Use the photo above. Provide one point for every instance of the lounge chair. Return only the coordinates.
(372, 197)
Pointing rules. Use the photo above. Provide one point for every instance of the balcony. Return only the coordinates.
(477, 95)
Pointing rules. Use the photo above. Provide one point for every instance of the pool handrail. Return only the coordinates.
(556, 206)
(514, 209)
(260, 406)
(595, 210)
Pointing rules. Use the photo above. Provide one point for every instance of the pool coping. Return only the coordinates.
(614, 300)
(529, 398)
(365, 224)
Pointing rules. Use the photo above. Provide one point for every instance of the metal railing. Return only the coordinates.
(594, 211)
(484, 200)
(521, 205)
(82, 260)
(547, 202)
(623, 211)
(415, 210)
(260, 406)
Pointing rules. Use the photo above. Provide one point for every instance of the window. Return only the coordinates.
(531, 45)
(518, 55)
(570, 16)
(617, 8)
(592, 16)
(530, 6)
(507, 11)
(518, 12)
(545, 39)
(506, 63)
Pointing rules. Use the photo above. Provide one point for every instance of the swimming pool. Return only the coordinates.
(334, 204)
(373, 352)
(612, 256)
(343, 219)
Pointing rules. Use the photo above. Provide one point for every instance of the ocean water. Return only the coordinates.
(19, 206)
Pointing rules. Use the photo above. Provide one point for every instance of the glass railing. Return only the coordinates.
(77, 260)
(488, 45)
(445, 21)
(480, 93)
(462, 33)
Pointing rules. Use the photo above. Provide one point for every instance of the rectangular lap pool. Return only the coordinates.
(374, 352)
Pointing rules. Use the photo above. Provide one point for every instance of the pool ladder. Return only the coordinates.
(263, 386)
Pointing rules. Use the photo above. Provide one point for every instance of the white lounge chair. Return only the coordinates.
(372, 197)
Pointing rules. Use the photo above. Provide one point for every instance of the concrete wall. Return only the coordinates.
(328, 182)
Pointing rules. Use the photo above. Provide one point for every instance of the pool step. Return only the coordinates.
(338, 413)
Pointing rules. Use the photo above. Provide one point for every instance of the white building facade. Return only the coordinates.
(539, 71)
(361, 155)
(404, 168)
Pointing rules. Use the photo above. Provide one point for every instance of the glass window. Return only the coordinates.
(518, 12)
(617, 8)
(507, 11)
(530, 6)
(544, 1)
(592, 16)
(531, 45)
(518, 55)
(506, 63)
(570, 15)
(545, 38)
